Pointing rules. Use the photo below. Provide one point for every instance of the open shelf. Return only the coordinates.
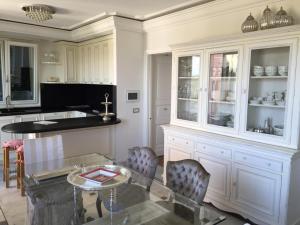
(188, 99)
(269, 77)
(188, 77)
(268, 106)
(222, 78)
(222, 102)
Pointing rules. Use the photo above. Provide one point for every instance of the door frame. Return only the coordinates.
(148, 94)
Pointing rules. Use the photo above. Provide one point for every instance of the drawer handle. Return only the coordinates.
(244, 158)
(166, 109)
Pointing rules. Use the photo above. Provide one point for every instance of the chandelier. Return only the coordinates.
(38, 12)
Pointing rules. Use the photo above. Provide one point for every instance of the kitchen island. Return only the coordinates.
(81, 135)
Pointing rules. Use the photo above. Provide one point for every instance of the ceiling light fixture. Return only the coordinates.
(38, 12)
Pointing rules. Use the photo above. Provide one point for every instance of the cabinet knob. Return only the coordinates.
(166, 109)
(245, 91)
(204, 147)
(234, 184)
(205, 89)
(187, 142)
(222, 152)
(269, 164)
(200, 89)
(244, 158)
(173, 139)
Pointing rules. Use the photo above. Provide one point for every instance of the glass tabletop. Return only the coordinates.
(150, 212)
(60, 167)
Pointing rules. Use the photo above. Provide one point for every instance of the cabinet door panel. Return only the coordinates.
(176, 154)
(219, 182)
(256, 192)
(71, 67)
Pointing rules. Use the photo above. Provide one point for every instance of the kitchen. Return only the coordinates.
(240, 123)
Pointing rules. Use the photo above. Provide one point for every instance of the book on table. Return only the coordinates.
(100, 175)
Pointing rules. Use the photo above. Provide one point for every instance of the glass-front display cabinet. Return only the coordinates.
(188, 84)
(222, 89)
(270, 71)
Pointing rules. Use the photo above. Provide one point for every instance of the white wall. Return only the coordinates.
(129, 76)
(215, 19)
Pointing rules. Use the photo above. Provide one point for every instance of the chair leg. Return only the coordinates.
(18, 170)
(7, 167)
(4, 165)
(22, 174)
(98, 206)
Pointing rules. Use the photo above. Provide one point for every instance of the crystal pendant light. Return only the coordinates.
(39, 13)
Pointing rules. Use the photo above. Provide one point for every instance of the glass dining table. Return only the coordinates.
(136, 205)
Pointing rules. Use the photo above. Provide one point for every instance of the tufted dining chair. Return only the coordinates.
(142, 162)
(187, 178)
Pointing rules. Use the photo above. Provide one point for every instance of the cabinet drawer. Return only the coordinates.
(258, 161)
(181, 142)
(214, 151)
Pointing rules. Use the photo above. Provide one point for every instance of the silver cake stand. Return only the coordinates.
(106, 115)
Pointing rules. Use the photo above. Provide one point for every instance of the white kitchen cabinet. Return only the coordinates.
(53, 116)
(269, 97)
(4, 120)
(71, 64)
(95, 62)
(220, 173)
(244, 87)
(256, 191)
(186, 83)
(256, 180)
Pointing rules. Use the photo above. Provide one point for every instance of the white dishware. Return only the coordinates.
(268, 102)
(258, 70)
(280, 103)
(283, 70)
(278, 130)
(254, 102)
(271, 70)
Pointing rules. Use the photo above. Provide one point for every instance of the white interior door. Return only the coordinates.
(161, 98)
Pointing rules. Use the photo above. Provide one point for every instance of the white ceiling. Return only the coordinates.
(74, 13)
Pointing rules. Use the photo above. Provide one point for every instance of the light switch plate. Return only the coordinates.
(136, 110)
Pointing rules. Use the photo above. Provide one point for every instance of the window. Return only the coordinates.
(21, 71)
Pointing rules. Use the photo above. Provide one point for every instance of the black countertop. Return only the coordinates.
(62, 124)
(38, 110)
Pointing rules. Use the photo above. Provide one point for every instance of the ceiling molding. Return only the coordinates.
(205, 11)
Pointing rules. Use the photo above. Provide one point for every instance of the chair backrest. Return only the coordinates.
(43, 149)
(143, 160)
(188, 178)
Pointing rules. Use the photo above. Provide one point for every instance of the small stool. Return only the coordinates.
(20, 169)
(9, 146)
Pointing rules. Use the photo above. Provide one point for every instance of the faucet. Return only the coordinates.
(7, 102)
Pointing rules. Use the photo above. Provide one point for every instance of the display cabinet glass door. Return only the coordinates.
(188, 88)
(268, 90)
(222, 89)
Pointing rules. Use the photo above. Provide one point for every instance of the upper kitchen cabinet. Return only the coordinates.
(221, 88)
(242, 87)
(187, 82)
(268, 91)
(88, 62)
(21, 81)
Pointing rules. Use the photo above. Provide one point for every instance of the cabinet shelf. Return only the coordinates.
(268, 77)
(222, 78)
(221, 102)
(192, 78)
(188, 99)
(267, 106)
